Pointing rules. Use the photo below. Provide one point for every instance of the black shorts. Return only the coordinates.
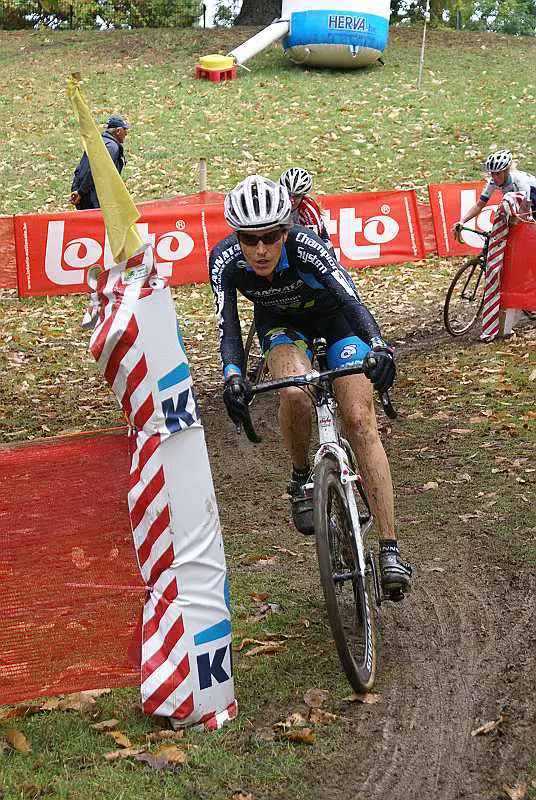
(343, 345)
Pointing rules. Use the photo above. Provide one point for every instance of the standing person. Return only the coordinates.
(83, 192)
(298, 294)
(503, 176)
(305, 210)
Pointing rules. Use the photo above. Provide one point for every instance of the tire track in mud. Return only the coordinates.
(443, 674)
(455, 654)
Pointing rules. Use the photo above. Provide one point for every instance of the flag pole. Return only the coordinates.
(421, 60)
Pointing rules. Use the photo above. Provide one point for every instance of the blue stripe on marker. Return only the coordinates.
(217, 631)
(176, 375)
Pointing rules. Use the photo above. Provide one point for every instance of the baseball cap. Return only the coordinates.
(117, 122)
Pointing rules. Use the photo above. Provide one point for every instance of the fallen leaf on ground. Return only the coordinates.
(489, 727)
(320, 717)
(461, 431)
(284, 550)
(128, 752)
(430, 485)
(516, 792)
(368, 698)
(266, 649)
(294, 720)
(305, 622)
(18, 741)
(297, 736)
(121, 739)
(259, 597)
(105, 725)
(166, 756)
(261, 560)
(74, 702)
(315, 698)
(245, 642)
(22, 710)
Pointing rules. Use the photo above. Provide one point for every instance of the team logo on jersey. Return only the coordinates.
(348, 351)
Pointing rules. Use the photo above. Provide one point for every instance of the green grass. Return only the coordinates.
(368, 129)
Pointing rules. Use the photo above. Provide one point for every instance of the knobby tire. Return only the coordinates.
(469, 274)
(350, 604)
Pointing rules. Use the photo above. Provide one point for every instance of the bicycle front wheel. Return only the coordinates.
(465, 298)
(349, 596)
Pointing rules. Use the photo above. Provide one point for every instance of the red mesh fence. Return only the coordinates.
(71, 593)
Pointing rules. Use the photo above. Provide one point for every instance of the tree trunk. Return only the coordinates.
(258, 12)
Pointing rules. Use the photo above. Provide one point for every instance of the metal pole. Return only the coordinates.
(202, 175)
(421, 61)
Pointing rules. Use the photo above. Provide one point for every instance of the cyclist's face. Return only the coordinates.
(499, 178)
(262, 249)
(295, 200)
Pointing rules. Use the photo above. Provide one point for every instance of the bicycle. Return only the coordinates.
(465, 295)
(342, 522)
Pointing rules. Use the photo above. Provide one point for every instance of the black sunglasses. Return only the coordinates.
(252, 240)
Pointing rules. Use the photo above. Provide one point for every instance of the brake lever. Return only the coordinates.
(387, 406)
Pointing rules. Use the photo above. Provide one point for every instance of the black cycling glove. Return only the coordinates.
(379, 366)
(457, 231)
(236, 398)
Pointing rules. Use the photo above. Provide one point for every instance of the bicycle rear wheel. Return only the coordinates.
(465, 297)
(255, 364)
(349, 596)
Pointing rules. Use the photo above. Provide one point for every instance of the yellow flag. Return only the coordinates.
(117, 206)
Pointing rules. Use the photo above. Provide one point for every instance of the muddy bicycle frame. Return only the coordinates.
(318, 384)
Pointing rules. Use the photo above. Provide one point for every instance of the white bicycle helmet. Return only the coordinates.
(257, 203)
(498, 161)
(296, 180)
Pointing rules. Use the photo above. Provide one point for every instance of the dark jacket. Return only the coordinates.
(83, 179)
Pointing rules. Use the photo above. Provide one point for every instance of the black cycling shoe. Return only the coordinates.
(395, 574)
(302, 506)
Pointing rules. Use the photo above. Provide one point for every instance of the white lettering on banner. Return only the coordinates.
(482, 221)
(443, 221)
(410, 226)
(53, 256)
(377, 230)
(27, 257)
(66, 262)
(389, 229)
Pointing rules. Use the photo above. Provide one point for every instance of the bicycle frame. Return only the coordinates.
(331, 445)
(318, 385)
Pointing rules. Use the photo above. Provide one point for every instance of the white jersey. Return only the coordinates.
(517, 181)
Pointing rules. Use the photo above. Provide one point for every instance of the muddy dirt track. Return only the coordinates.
(456, 654)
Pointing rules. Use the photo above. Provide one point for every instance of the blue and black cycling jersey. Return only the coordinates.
(308, 291)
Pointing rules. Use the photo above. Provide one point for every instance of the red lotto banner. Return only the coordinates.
(374, 228)
(449, 202)
(55, 251)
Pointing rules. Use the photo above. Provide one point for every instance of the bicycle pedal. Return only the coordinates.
(396, 595)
